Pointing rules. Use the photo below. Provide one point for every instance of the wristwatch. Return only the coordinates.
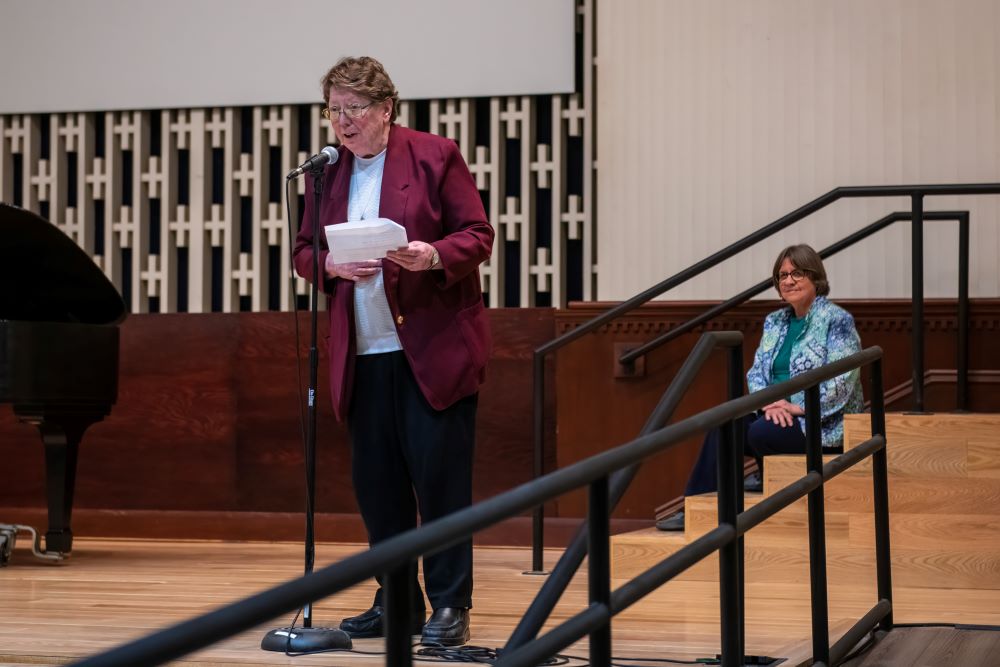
(435, 259)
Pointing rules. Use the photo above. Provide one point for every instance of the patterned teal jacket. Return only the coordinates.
(828, 335)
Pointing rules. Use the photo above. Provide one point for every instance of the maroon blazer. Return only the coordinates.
(439, 314)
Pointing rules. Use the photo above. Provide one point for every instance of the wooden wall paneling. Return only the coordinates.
(207, 425)
(170, 441)
(271, 455)
(597, 411)
(505, 441)
(207, 421)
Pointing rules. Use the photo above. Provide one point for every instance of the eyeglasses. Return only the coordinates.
(796, 275)
(352, 111)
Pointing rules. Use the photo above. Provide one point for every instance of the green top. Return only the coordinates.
(779, 369)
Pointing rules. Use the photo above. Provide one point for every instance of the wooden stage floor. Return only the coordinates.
(112, 591)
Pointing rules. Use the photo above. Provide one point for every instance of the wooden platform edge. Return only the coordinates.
(278, 526)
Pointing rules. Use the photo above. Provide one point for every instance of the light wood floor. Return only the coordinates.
(112, 591)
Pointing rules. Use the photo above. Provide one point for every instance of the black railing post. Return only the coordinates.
(739, 435)
(567, 565)
(729, 606)
(538, 515)
(917, 290)
(599, 568)
(916, 215)
(962, 360)
(392, 554)
(398, 603)
(817, 531)
(880, 483)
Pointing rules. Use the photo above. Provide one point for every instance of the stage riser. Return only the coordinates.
(944, 494)
(976, 569)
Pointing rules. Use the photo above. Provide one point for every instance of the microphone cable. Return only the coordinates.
(298, 334)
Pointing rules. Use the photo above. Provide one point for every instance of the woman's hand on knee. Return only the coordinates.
(788, 408)
(778, 415)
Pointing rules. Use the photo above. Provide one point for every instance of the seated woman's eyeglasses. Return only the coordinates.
(352, 111)
(796, 275)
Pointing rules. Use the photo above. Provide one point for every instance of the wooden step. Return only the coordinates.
(781, 470)
(981, 431)
(781, 604)
(936, 441)
(944, 495)
(957, 446)
(908, 530)
(789, 526)
(933, 532)
(970, 567)
(637, 551)
(909, 493)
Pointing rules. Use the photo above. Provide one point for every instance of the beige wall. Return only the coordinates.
(715, 117)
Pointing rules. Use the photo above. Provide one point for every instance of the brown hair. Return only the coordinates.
(364, 76)
(805, 258)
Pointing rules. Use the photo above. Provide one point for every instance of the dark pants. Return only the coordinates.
(761, 438)
(408, 457)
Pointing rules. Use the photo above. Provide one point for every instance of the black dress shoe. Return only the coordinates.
(371, 623)
(448, 626)
(753, 483)
(672, 522)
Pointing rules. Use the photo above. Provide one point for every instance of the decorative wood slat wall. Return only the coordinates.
(184, 208)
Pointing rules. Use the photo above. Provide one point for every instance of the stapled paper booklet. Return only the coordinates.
(359, 240)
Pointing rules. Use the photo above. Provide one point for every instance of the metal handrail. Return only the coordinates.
(727, 536)
(917, 216)
(962, 217)
(571, 558)
(403, 550)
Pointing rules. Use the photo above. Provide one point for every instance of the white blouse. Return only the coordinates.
(373, 327)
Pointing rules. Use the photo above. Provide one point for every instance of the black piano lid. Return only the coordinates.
(46, 277)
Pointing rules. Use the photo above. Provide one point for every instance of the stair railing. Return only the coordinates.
(532, 622)
(395, 557)
(962, 357)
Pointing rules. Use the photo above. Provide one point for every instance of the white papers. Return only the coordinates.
(364, 239)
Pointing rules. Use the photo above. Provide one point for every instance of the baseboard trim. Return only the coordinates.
(277, 526)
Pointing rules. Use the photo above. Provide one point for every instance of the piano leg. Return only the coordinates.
(62, 440)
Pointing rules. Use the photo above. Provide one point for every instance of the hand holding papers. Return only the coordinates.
(359, 240)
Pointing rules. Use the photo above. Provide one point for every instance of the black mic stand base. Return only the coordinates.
(305, 640)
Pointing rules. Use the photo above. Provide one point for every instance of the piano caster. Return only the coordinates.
(8, 537)
(6, 544)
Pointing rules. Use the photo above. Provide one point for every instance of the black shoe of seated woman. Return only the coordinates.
(672, 522)
(753, 483)
(447, 626)
(372, 623)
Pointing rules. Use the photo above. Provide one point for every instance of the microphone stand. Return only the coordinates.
(306, 638)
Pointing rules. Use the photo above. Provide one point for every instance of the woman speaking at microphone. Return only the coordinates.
(409, 335)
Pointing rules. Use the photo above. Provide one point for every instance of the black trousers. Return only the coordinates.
(407, 457)
(761, 438)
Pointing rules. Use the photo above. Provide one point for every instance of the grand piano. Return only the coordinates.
(59, 319)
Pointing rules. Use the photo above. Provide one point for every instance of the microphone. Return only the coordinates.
(328, 155)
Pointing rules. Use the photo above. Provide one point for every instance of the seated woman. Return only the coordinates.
(808, 332)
